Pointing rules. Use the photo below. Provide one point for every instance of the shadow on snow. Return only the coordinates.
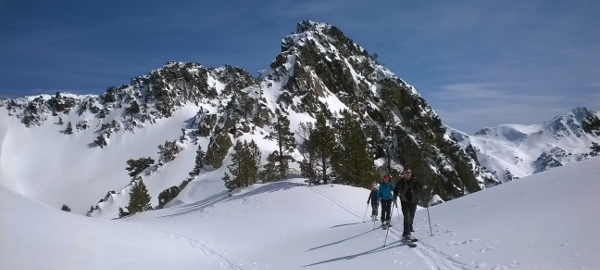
(350, 257)
(225, 196)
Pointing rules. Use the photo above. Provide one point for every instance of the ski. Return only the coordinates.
(409, 243)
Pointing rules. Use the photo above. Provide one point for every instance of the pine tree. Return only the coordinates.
(322, 142)
(595, 149)
(69, 129)
(199, 162)
(245, 162)
(134, 108)
(351, 161)
(136, 166)
(270, 172)
(229, 184)
(168, 151)
(307, 165)
(139, 199)
(286, 142)
(101, 141)
(65, 208)
(60, 121)
(253, 162)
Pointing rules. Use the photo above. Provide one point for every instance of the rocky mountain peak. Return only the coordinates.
(319, 73)
(569, 123)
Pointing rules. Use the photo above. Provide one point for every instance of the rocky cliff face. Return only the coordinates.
(319, 65)
(319, 70)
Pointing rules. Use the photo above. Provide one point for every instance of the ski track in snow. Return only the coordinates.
(223, 262)
(436, 259)
(324, 195)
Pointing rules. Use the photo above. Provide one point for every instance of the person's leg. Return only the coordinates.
(382, 211)
(374, 206)
(406, 214)
(388, 207)
(413, 210)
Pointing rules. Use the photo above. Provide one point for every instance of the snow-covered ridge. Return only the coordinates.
(290, 225)
(84, 142)
(514, 151)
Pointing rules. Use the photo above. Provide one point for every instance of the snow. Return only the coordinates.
(516, 148)
(544, 221)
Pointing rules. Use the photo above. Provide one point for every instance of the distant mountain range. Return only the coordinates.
(70, 149)
(514, 151)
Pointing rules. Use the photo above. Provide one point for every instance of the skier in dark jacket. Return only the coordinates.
(385, 195)
(374, 202)
(408, 188)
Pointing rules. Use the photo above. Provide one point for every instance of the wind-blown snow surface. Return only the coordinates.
(545, 221)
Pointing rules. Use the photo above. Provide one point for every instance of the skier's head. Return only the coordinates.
(375, 186)
(386, 179)
(407, 173)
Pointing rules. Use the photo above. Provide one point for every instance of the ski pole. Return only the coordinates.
(428, 215)
(365, 216)
(388, 228)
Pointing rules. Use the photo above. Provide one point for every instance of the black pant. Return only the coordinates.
(408, 210)
(374, 206)
(386, 207)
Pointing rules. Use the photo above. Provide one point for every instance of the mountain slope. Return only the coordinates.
(514, 151)
(319, 72)
(543, 221)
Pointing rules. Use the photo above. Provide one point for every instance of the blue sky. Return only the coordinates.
(477, 63)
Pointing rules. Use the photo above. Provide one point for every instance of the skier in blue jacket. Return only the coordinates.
(385, 195)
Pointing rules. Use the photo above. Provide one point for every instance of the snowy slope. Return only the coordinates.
(512, 151)
(544, 221)
(43, 163)
(318, 71)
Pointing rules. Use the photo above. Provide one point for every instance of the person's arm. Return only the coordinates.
(370, 195)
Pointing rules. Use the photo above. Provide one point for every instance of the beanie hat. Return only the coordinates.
(386, 178)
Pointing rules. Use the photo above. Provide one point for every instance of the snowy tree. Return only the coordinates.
(321, 142)
(65, 208)
(199, 164)
(101, 141)
(136, 166)
(245, 162)
(595, 149)
(351, 159)
(270, 170)
(308, 163)
(168, 151)
(134, 108)
(285, 141)
(69, 129)
(139, 199)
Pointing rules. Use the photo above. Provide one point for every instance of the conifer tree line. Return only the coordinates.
(245, 162)
(331, 150)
